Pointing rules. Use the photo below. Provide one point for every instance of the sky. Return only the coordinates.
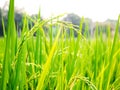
(97, 10)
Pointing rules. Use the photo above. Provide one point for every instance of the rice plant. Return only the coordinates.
(60, 61)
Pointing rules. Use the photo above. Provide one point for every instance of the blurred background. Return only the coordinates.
(103, 12)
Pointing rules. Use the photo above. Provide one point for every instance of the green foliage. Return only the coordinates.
(62, 61)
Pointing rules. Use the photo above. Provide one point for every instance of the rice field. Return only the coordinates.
(60, 62)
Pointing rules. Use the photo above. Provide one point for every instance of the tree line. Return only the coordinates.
(73, 18)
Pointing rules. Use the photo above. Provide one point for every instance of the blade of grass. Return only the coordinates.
(112, 54)
(8, 50)
(47, 64)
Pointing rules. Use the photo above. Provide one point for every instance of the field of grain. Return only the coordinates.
(62, 62)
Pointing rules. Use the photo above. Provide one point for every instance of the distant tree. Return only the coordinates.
(1, 30)
(18, 20)
(102, 27)
(74, 19)
(0, 13)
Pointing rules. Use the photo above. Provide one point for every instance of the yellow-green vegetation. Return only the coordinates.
(2, 44)
(63, 62)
